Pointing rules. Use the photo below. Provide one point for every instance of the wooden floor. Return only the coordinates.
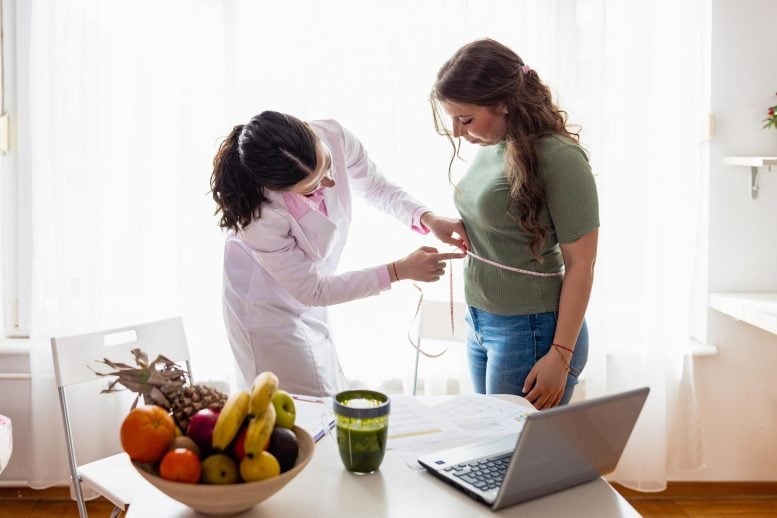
(680, 500)
(47, 503)
(711, 499)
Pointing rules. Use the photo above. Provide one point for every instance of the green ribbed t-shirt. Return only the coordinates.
(571, 210)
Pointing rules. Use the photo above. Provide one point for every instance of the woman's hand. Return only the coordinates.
(425, 264)
(545, 384)
(447, 230)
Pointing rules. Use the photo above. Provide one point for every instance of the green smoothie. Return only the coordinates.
(362, 442)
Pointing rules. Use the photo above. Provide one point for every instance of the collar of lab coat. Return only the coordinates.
(314, 232)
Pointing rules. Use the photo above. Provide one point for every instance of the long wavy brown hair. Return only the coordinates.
(486, 73)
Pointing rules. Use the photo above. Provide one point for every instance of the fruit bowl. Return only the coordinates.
(231, 499)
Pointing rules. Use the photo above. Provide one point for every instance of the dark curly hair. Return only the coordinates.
(273, 151)
(487, 73)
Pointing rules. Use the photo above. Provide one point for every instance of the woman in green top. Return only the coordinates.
(529, 204)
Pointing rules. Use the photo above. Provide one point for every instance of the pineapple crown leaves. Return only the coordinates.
(153, 380)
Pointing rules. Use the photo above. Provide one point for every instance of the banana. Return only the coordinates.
(259, 432)
(262, 391)
(230, 419)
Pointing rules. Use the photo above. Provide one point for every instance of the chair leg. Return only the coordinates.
(116, 512)
(415, 371)
(80, 502)
(75, 479)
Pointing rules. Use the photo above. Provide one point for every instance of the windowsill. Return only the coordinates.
(14, 345)
(758, 309)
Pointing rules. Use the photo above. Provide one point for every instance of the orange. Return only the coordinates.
(146, 432)
(181, 465)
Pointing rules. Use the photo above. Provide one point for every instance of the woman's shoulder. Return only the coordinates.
(339, 139)
(558, 143)
(331, 131)
(561, 154)
(274, 219)
(327, 125)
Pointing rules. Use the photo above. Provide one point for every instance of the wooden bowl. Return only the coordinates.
(231, 499)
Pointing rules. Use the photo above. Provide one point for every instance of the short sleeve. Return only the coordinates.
(570, 189)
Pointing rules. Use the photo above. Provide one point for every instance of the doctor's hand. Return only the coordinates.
(447, 230)
(425, 264)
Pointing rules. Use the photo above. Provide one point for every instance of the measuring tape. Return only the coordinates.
(416, 346)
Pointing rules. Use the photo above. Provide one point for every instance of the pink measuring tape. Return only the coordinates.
(559, 273)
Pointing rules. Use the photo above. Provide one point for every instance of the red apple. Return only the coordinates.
(239, 447)
(200, 429)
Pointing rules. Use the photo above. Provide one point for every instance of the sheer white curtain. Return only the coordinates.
(122, 104)
(642, 108)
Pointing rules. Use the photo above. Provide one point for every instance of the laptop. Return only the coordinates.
(556, 449)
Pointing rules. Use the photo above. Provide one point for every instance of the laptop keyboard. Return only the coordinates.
(484, 474)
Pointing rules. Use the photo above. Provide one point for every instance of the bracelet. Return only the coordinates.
(394, 267)
(562, 347)
(563, 360)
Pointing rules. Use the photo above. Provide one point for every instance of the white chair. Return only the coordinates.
(6, 441)
(434, 323)
(112, 477)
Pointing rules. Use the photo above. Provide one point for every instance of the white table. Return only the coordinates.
(326, 489)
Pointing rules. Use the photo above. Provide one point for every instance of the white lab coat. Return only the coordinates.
(280, 274)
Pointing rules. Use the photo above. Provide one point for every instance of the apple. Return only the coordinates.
(185, 442)
(200, 429)
(262, 466)
(285, 412)
(284, 447)
(219, 469)
(238, 448)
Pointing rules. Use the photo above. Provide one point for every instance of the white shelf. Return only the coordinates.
(754, 163)
(758, 309)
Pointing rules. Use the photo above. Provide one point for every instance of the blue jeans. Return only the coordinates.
(503, 349)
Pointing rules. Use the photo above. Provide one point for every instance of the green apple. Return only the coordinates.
(285, 412)
(219, 469)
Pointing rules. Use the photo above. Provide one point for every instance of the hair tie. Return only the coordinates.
(525, 69)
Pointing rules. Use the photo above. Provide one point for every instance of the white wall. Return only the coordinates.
(737, 389)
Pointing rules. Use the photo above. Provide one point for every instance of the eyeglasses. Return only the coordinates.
(329, 174)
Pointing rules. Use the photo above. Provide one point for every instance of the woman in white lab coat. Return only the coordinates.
(283, 189)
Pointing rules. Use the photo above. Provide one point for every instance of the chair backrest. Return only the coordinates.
(112, 477)
(434, 321)
(73, 355)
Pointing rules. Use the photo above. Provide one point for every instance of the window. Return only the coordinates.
(16, 249)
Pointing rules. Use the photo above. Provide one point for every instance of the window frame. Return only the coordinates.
(16, 257)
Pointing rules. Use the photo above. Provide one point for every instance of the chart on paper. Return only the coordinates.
(412, 422)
